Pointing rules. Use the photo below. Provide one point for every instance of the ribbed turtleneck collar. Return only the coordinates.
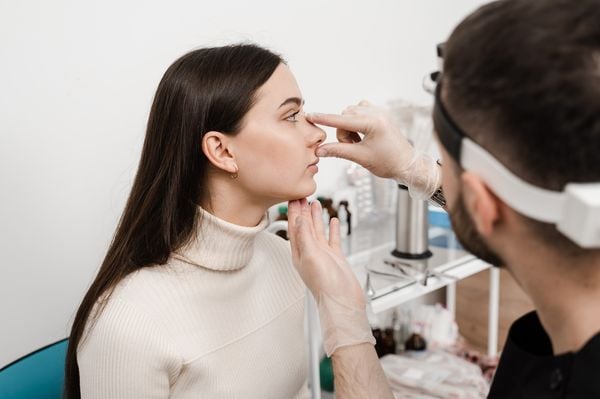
(220, 245)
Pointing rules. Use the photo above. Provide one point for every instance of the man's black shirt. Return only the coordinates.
(529, 370)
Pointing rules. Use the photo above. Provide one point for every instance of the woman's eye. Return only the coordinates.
(292, 117)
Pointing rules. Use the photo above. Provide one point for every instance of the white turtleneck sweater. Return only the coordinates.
(224, 318)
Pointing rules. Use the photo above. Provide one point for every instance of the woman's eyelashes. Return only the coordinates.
(293, 117)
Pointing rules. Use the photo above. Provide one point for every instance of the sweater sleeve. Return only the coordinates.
(125, 355)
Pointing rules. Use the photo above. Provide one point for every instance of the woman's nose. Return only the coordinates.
(317, 135)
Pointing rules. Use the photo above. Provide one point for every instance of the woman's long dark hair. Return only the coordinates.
(209, 89)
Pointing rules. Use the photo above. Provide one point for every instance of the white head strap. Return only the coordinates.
(575, 211)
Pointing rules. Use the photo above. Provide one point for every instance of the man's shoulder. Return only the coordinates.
(528, 367)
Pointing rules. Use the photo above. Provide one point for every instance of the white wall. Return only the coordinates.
(77, 80)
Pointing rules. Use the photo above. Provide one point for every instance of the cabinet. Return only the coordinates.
(370, 246)
(472, 296)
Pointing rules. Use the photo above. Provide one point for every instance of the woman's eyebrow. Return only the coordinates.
(294, 100)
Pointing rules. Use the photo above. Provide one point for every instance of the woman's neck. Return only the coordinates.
(247, 215)
(232, 204)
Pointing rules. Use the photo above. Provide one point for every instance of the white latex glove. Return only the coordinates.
(383, 150)
(322, 266)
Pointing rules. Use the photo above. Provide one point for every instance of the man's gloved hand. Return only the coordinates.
(383, 150)
(322, 266)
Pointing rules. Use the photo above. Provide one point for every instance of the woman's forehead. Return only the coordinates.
(279, 90)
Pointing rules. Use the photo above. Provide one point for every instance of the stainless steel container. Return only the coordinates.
(411, 227)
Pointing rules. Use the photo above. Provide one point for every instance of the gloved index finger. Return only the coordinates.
(317, 219)
(303, 245)
(350, 123)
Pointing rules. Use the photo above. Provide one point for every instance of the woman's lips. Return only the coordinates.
(313, 166)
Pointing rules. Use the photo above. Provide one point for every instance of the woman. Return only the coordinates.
(194, 299)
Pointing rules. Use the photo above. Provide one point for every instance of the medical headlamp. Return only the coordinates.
(575, 211)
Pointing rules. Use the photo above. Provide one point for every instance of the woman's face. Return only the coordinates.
(275, 149)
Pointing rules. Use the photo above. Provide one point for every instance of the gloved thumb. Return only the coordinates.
(352, 152)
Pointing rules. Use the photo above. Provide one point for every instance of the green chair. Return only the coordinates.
(38, 375)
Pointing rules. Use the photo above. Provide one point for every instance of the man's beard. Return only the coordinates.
(469, 237)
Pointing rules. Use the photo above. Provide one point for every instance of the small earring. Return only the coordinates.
(234, 175)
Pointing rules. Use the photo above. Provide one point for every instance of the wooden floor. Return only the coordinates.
(472, 297)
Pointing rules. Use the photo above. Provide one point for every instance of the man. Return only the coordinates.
(517, 115)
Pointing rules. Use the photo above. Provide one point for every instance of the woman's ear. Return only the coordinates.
(481, 203)
(217, 148)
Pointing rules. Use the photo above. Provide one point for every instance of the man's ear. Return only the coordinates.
(481, 203)
(218, 149)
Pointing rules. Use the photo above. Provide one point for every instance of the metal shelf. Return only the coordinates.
(449, 266)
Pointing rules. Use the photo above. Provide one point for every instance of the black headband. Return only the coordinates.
(449, 133)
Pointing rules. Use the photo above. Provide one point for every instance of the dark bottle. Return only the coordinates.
(328, 204)
(384, 341)
(282, 210)
(415, 342)
(344, 204)
(282, 213)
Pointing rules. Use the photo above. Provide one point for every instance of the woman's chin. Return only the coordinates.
(303, 190)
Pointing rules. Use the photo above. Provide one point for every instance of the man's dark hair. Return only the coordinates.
(522, 78)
